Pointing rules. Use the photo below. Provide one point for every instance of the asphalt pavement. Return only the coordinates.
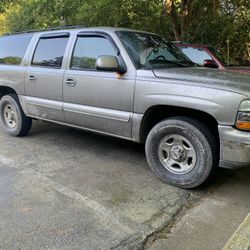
(213, 221)
(62, 188)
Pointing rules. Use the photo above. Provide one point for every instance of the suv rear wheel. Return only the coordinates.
(12, 117)
(182, 152)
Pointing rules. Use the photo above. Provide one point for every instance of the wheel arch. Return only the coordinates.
(157, 113)
(6, 90)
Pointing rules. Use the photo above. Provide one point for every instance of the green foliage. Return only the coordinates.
(11, 60)
(212, 22)
(229, 22)
(4, 4)
(34, 14)
(137, 14)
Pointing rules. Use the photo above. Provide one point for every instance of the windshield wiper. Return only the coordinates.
(165, 61)
(190, 63)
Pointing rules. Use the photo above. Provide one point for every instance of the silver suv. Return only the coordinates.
(133, 85)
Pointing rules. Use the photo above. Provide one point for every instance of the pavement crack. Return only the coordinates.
(166, 227)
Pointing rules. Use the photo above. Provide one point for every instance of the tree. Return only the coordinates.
(138, 14)
(180, 14)
(213, 22)
(199, 21)
(4, 4)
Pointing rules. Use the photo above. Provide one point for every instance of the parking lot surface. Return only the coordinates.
(62, 188)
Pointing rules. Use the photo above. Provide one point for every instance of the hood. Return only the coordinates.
(221, 79)
(240, 69)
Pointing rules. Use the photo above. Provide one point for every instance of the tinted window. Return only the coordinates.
(12, 48)
(88, 49)
(49, 52)
(196, 55)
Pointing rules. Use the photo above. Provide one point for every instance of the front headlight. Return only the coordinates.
(243, 117)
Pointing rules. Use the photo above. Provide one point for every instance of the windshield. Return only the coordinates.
(151, 51)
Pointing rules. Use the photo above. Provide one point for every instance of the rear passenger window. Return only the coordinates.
(88, 49)
(13, 48)
(50, 51)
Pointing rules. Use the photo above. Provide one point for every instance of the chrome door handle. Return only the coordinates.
(70, 82)
(32, 78)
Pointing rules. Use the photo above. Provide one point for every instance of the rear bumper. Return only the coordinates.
(234, 147)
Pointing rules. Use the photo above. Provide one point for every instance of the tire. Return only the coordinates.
(181, 151)
(13, 119)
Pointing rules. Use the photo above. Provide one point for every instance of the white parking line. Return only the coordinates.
(6, 161)
(107, 216)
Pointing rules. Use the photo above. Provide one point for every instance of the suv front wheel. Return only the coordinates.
(182, 151)
(12, 117)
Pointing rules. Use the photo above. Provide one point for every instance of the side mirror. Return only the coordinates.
(210, 64)
(109, 63)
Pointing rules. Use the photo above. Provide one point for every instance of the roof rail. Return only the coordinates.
(178, 42)
(48, 29)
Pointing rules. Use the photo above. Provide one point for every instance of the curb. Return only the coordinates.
(241, 238)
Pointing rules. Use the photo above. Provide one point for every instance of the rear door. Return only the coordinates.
(98, 100)
(44, 77)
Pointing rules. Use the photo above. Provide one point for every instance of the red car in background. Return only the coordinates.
(208, 56)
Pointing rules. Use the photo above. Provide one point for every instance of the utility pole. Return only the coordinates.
(228, 52)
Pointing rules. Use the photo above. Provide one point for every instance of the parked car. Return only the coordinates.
(132, 85)
(208, 56)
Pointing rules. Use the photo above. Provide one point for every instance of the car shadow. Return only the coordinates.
(104, 143)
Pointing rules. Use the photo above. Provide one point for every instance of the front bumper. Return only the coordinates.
(234, 147)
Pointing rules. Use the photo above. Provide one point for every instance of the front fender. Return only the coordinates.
(221, 104)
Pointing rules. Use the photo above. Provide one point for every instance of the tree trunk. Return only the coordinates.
(215, 6)
(185, 16)
(171, 10)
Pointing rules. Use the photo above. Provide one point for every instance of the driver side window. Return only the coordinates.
(88, 49)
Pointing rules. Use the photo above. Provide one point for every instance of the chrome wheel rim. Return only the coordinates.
(177, 154)
(10, 116)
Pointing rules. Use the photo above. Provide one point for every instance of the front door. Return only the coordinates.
(97, 100)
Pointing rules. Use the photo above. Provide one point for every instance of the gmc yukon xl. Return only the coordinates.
(133, 85)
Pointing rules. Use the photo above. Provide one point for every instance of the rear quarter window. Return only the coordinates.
(13, 48)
